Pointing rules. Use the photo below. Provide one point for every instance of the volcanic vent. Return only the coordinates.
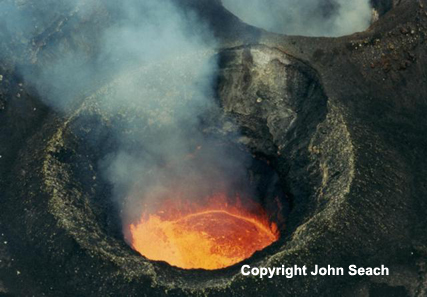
(196, 196)
(313, 133)
(210, 232)
(109, 181)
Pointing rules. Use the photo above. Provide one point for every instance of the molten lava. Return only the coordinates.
(215, 235)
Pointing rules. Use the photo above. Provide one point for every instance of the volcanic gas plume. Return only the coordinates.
(304, 17)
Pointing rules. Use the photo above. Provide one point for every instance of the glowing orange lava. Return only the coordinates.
(212, 236)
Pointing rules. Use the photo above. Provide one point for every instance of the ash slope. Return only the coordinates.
(374, 87)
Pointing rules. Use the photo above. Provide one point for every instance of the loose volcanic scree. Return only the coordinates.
(213, 148)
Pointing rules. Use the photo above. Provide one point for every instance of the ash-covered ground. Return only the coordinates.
(342, 121)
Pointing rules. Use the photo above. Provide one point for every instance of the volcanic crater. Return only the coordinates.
(301, 110)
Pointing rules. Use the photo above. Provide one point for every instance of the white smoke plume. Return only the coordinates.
(160, 58)
(304, 17)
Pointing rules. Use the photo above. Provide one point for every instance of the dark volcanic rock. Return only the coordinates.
(342, 121)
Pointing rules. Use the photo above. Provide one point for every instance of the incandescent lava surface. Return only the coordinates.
(210, 237)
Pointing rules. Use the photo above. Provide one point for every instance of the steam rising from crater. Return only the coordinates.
(160, 58)
(304, 17)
